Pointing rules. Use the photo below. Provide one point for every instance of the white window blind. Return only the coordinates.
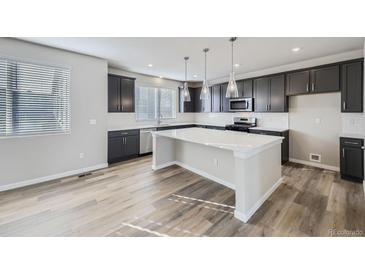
(152, 103)
(34, 99)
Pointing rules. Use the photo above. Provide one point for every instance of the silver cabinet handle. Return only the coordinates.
(307, 87)
(122, 107)
(344, 105)
(343, 153)
(363, 148)
(351, 143)
(313, 86)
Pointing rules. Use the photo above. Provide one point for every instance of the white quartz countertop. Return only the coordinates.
(230, 140)
(270, 129)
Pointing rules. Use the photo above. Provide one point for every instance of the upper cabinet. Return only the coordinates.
(120, 93)
(352, 87)
(297, 82)
(270, 95)
(317, 80)
(326, 79)
(185, 106)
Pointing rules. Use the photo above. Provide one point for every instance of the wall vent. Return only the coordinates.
(314, 157)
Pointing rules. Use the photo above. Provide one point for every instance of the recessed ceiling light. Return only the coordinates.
(150, 65)
(295, 49)
(195, 75)
(160, 77)
(236, 65)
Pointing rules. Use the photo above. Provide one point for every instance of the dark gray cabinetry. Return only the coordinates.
(216, 98)
(122, 145)
(269, 93)
(224, 99)
(316, 80)
(187, 106)
(352, 159)
(202, 105)
(248, 88)
(284, 144)
(352, 87)
(120, 93)
(326, 79)
(297, 82)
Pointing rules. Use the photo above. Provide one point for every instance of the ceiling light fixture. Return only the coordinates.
(195, 75)
(236, 65)
(295, 49)
(204, 94)
(185, 87)
(232, 91)
(150, 65)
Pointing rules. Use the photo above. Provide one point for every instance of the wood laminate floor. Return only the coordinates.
(130, 199)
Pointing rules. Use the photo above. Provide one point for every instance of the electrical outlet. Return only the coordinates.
(92, 121)
(317, 120)
(82, 155)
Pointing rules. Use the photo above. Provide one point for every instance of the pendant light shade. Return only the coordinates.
(185, 90)
(205, 93)
(232, 91)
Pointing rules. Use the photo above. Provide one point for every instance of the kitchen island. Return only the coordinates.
(248, 163)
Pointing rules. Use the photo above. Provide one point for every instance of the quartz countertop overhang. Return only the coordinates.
(229, 140)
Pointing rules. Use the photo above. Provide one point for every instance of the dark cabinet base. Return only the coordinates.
(284, 144)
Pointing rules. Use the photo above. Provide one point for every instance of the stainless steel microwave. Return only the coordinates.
(241, 104)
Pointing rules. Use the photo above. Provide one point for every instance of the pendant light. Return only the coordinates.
(185, 90)
(204, 94)
(232, 91)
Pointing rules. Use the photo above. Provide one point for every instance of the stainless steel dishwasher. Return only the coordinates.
(145, 140)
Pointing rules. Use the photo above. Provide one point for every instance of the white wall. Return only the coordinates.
(118, 121)
(315, 126)
(30, 158)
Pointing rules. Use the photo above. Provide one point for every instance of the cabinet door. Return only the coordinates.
(216, 98)
(115, 148)
(131, 145)
(248, 88)
(277, 94)
(187, 106)
(240, 87)
(352, 87)
(262, 91)
(127, 95)
(325, 79)
(198, 104)
(298, 82)
(113, 93)
(352, 162)
(224, 100)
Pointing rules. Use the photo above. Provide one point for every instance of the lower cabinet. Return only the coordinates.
(284, 144)
(352, 159)
(122, 145)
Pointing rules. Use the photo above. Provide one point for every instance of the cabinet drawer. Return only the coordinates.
(123, 133)
(353, 142)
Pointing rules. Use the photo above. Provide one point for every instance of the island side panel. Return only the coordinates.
(163, 152)
(211, 162)
(256, 177)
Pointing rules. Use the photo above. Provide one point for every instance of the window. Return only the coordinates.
(152, 103)
(34, 99)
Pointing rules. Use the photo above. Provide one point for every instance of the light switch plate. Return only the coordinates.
(92, 121)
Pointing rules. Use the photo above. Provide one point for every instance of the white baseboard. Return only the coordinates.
(308, 163)
(51, 177)
(163, 165)
(197, 171)
(246, 216)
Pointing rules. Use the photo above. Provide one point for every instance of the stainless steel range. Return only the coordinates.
(242, 124)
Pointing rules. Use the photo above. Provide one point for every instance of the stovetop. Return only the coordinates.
(242, 124)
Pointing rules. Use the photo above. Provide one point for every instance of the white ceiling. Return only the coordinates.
(167, 54)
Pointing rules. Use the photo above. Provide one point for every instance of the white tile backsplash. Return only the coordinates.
(353, 123)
